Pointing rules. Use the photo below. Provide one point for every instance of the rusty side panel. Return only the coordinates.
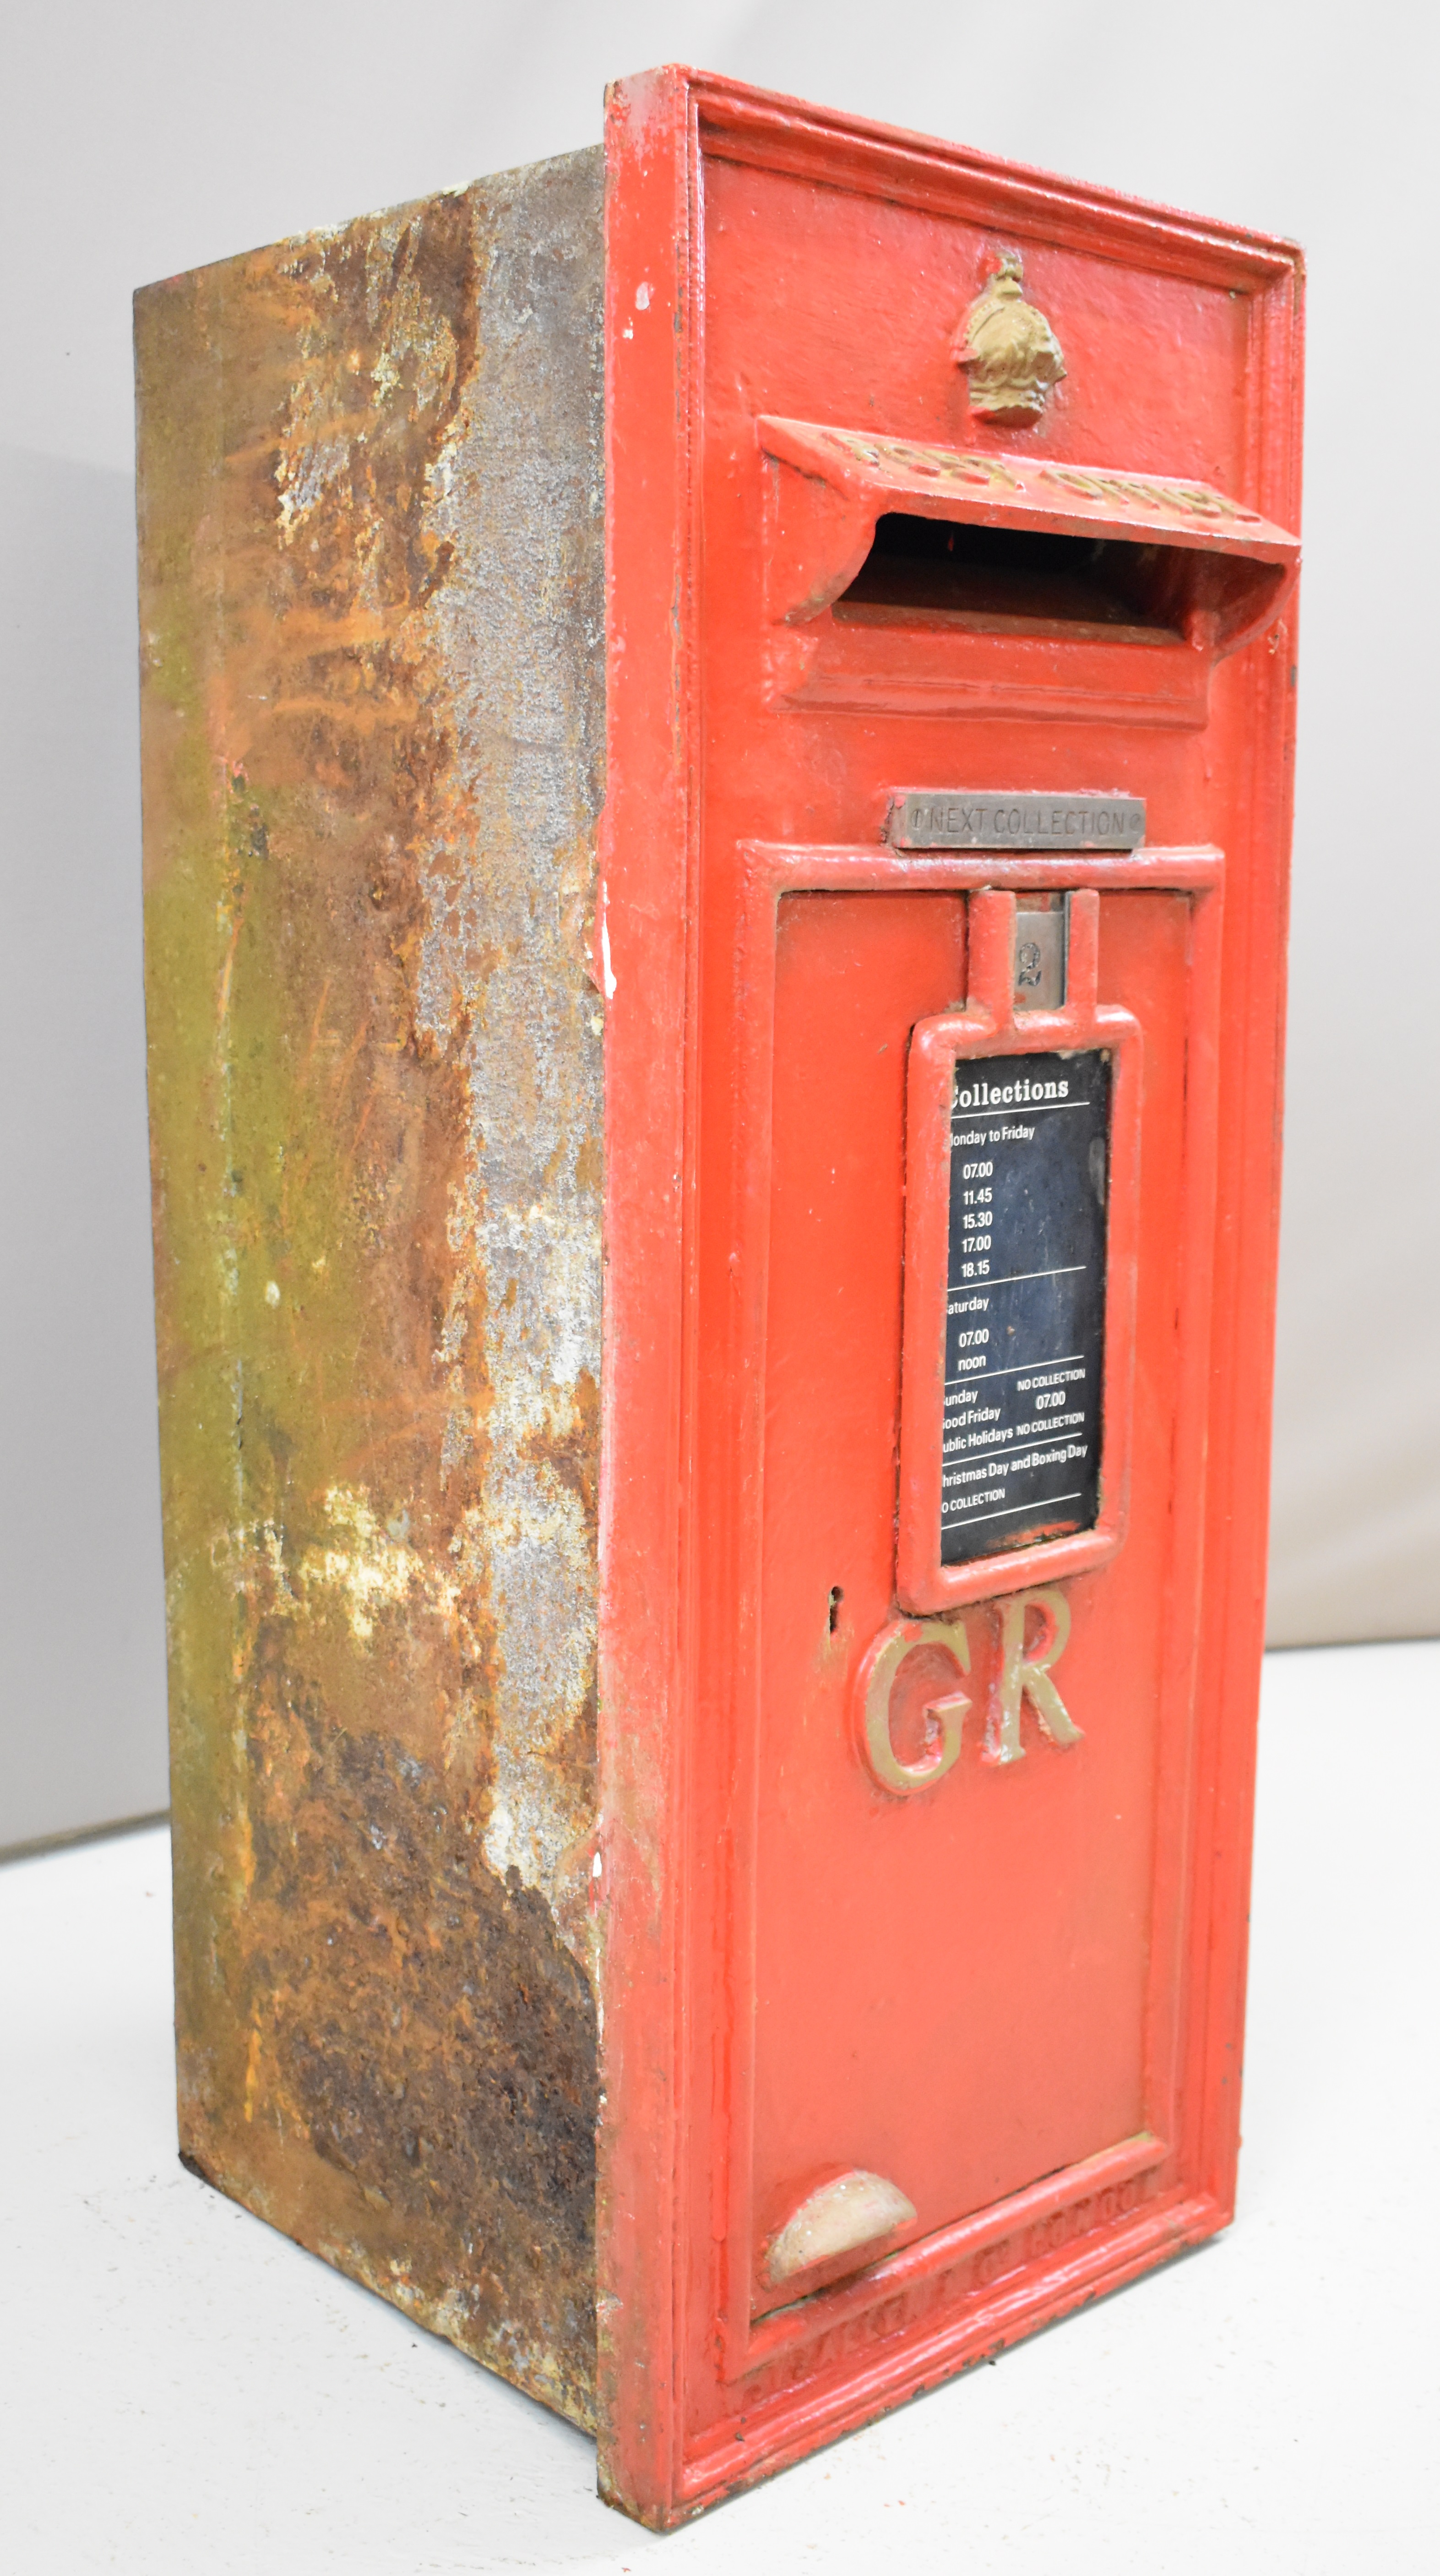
(372, 618)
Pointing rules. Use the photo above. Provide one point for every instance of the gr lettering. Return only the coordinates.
(1024, 1670)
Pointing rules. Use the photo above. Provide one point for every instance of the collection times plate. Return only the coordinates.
(1025, 1305)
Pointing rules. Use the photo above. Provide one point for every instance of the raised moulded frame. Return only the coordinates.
(990, 1026)
(676, 1613)
(1150, 2206)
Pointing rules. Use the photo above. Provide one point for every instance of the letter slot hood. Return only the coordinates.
(910, 575)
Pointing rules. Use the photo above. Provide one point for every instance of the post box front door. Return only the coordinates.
(964, 1899)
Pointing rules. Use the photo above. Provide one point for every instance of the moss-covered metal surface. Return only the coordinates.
(372, 632)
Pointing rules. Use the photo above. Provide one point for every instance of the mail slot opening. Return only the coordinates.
(1005, 578)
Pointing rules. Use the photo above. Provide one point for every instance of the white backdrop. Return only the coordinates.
(137, 140)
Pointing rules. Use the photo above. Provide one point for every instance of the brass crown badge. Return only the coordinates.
(1009, 351)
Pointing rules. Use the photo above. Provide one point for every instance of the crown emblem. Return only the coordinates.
(1008, 350)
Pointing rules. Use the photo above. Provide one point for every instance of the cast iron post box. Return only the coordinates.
(718, 737)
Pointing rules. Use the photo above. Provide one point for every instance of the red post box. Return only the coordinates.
(829, 1686)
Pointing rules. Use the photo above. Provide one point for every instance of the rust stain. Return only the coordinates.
(371, 543)
(421, 2056)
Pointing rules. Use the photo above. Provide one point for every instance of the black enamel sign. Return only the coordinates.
(1025, 1307)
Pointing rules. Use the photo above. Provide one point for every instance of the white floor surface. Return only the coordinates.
(181, 2389)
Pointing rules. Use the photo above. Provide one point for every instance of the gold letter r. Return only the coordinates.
(1025, 1676)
